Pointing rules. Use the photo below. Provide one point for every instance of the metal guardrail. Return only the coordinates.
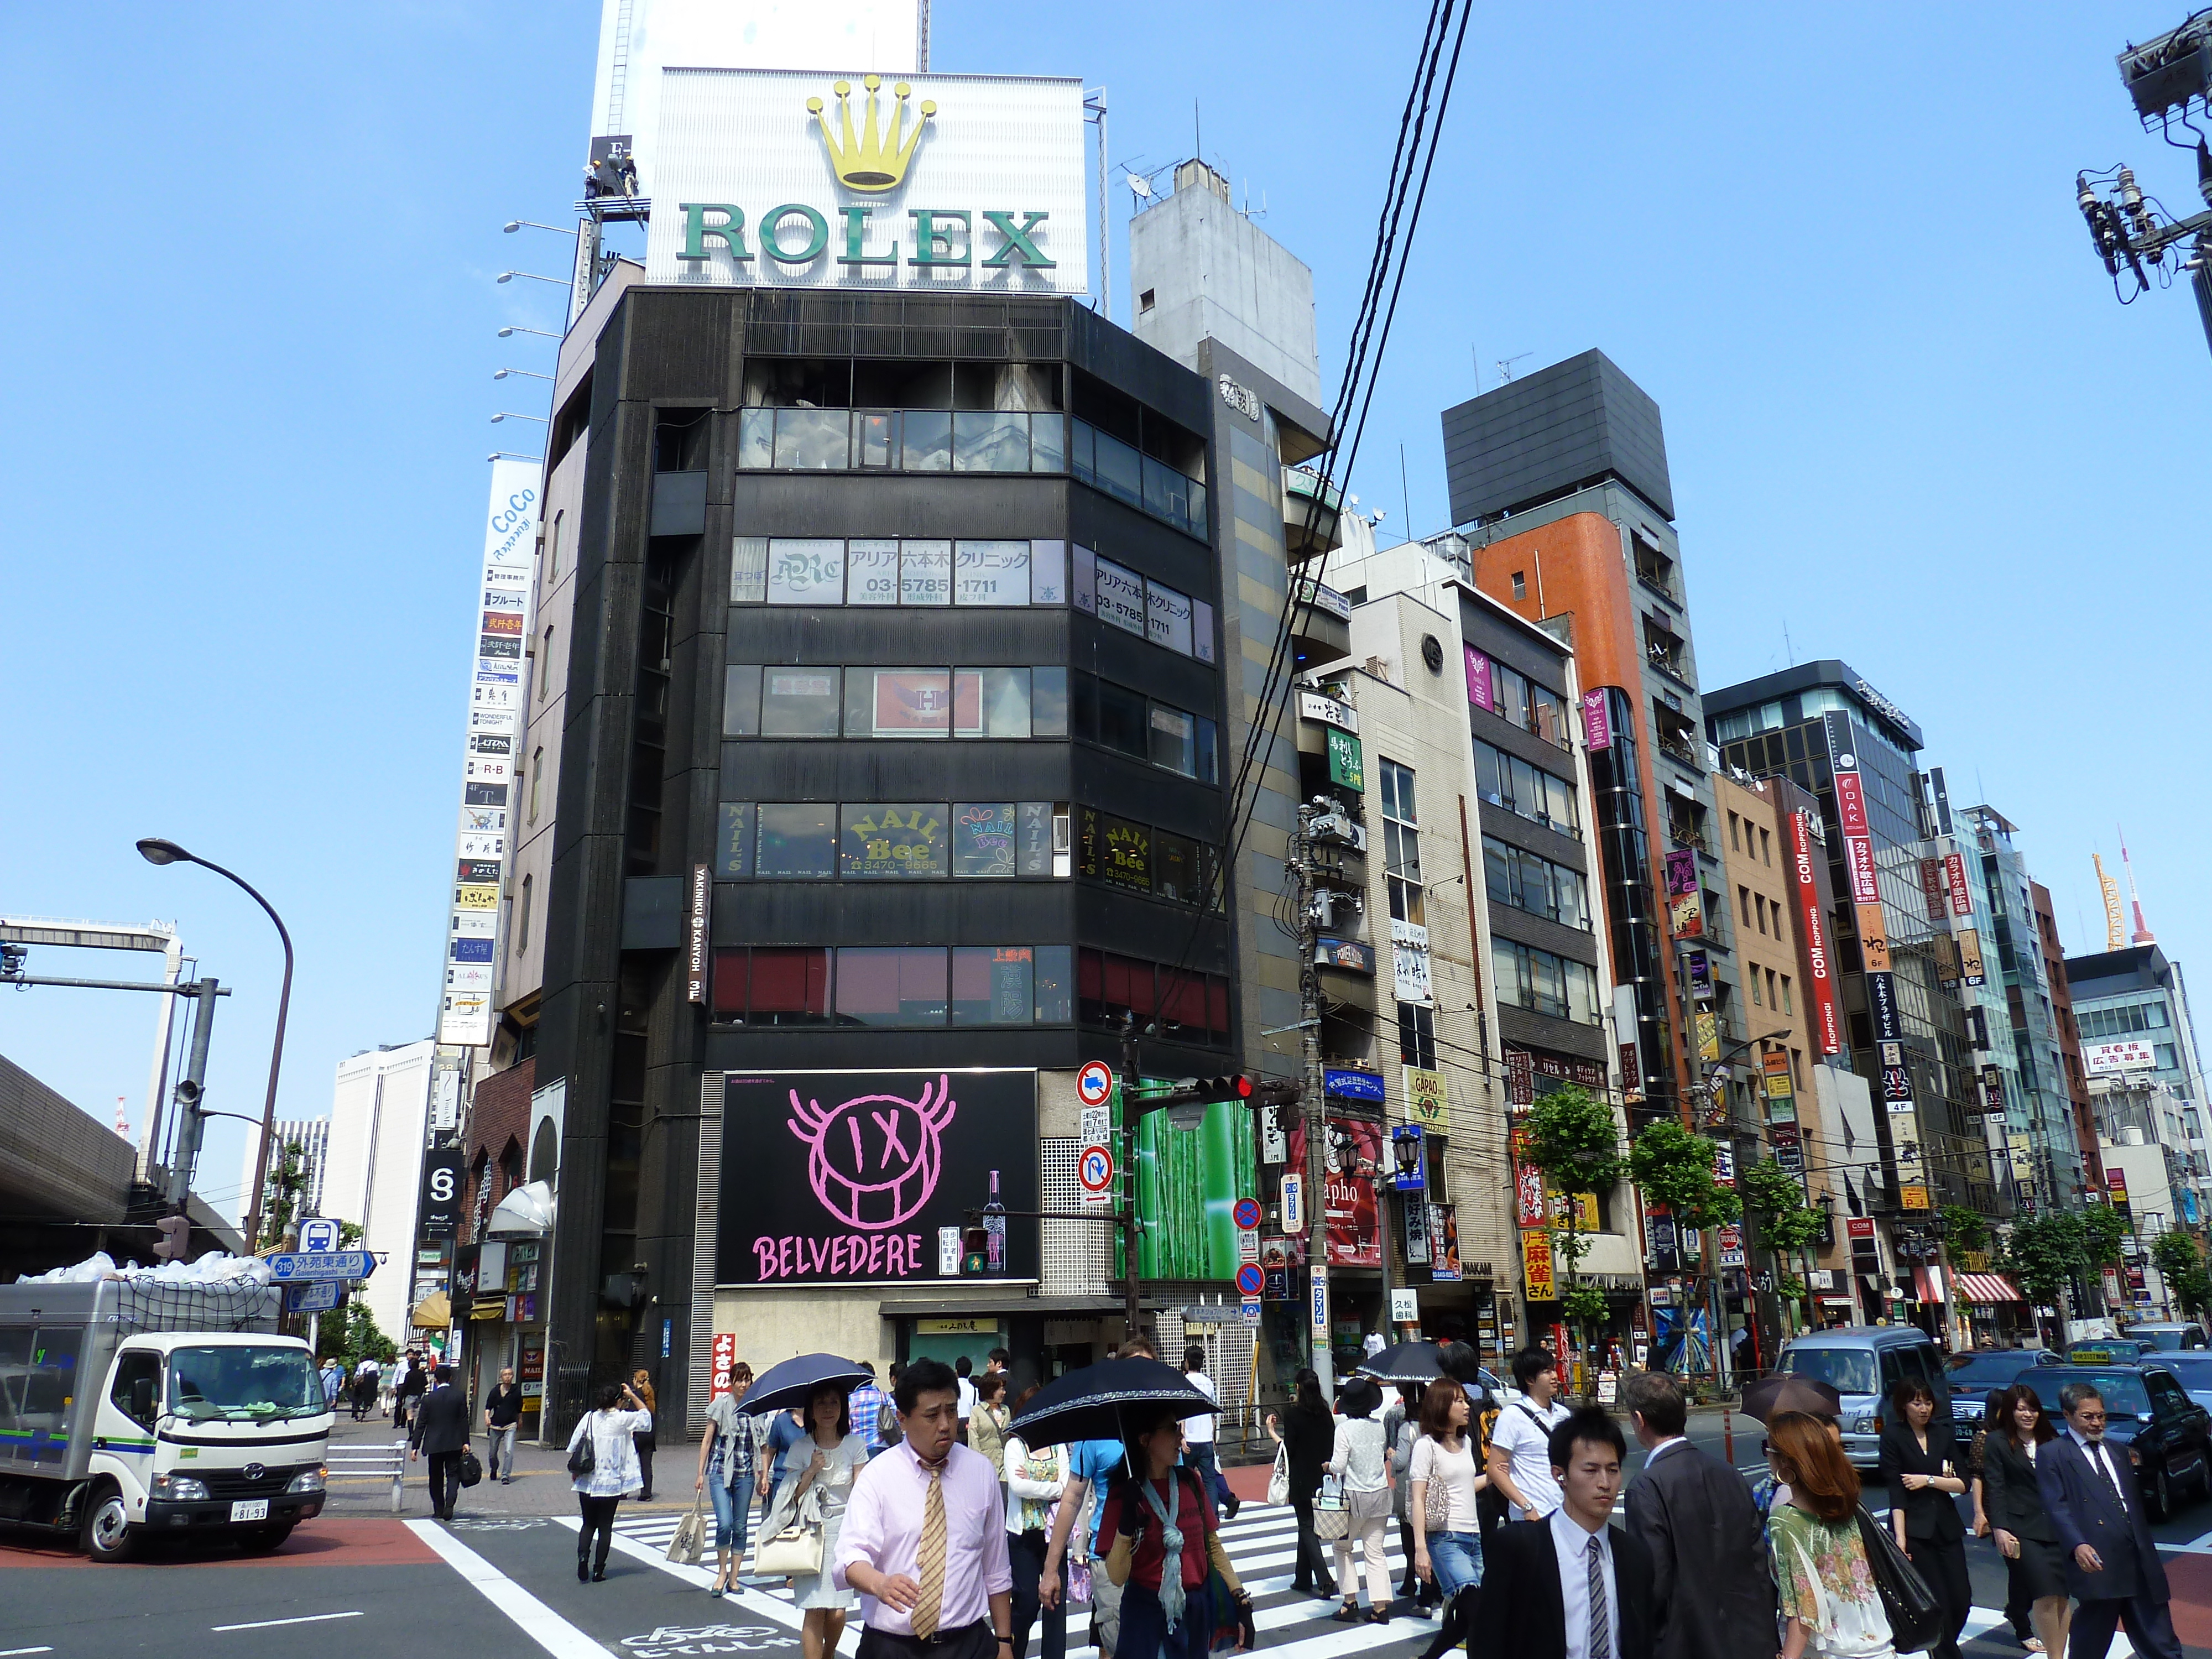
(371, 1461)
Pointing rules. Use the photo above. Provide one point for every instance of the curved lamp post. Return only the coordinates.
(157, 851)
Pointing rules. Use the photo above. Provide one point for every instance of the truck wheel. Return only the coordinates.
(259, 1541)
(108, 1534)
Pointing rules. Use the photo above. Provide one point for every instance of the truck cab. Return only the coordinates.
(114, 1429)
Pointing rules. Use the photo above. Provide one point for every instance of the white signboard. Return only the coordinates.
(844, 179)
(1409, 957)
(1404, 1307)
(480, 848)
(2108, 1057)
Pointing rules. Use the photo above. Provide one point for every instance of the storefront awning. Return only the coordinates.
(1987, 1288)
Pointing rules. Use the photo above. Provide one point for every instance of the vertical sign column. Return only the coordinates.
(498, 699)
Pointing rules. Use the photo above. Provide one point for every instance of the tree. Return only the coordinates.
(2103, 1227)
(1571, 1138)
(2181, 1264)
(1675, 1167)
(354, 1336)
(1787, 1224)
(283, 1193)
(1964, 1228)
(2043, 1253)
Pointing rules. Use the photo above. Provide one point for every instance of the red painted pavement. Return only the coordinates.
(1250, 1482)
(2190, 1578)
(329, 1543)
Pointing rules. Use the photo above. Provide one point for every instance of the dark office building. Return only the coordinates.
(895, 744)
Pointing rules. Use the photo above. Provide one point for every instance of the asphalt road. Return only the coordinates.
(360, 1581)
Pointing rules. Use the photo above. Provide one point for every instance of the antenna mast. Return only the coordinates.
(2143, 935)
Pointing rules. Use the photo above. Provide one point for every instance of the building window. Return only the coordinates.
(1190, 1006)
(1401, 844)
(1786, 1007)
(1513, 696)
(1771, 1000)
(1417, 1037)
(1743, 907)
(522, 918)
(797, 840)
(904, 985)
(1520, 584)
(1765, 848)
(1526, 790)
(553, 550)
(1736, 832)
(1752, 974)
(545, 666)
(1527, 882)
(1544, 983)
(537, 774)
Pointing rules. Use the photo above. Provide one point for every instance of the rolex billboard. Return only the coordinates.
(943, 183)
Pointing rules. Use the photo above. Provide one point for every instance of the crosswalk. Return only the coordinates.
(1262, 1542)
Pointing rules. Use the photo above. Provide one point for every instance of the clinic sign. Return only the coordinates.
(953, 182)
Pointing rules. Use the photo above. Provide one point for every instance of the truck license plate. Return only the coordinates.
(250, 1509)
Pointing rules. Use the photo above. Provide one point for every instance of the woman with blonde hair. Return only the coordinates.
(1830, 1605)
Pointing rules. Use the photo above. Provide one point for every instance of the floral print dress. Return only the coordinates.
(1820, 1570)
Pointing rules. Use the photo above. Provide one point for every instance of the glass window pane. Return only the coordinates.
(734, 842)
(895, 840)
(1174, 740)
(748, 570)
(1121, 721)
(741, 701)
(990, 573)
(1124, 853)
(1082, 591)
(813, 439)
(991, 441)
(1156, 490)
(1047, 572)
(1048, 443)
(992, 985)
(1080, 460)
(1183, 1005)
(926, 572)
(1120, 599)
(1121, 470)
(927, 435)
(891, 987)
(1511, 690)
(1202, 630)
(1196, 523)
(757, 438)
(805, 571)
(898, 702)
(799, 702)
(1498, 871)
(726, 1000)
(1209, 762)
(983, 838)
(790, 986)
(1049, 702)
(798, 840)
(1167, 618)
(1005, 709)
(1055, 984)
(875, 437)
(871, 572)
(1033, 839)
(1175, 867)
(1505, 971)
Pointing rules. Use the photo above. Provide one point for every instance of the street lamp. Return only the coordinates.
(509, 275)
(155, 850)
(513, 225)
(503, 455)
(512, 329)
(509, 414)
(530, 373)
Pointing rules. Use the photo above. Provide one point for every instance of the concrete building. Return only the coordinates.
(380, 1124)
(2132, 1008)
(2149, 1180)
(312, 1137)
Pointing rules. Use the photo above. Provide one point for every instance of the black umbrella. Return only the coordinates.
(1101, 1401)
(1770, 1396)
(790, 1385)
(1407, 1362)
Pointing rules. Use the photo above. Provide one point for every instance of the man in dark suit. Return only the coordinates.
(1570, 1586)
(2088, 1485)
(441, 1431)
(1712, 1587)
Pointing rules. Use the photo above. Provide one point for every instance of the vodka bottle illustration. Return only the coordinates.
(995, 1231)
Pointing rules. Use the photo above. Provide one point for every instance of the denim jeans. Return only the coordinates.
(1200, 1457)
(499, 1453)
(1456, 1559)
(732, 1504)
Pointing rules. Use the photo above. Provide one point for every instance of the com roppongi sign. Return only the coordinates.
(944, 183)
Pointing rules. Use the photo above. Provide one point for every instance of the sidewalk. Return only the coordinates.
(540, 1487)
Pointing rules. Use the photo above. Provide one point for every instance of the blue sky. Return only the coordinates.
(250, 379)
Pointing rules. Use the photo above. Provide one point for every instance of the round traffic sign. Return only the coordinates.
(1094, 1084)
(1095, 1169)
(1249, 1279)
(1248, 1213)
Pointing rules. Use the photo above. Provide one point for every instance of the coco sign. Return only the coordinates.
(847, 1177)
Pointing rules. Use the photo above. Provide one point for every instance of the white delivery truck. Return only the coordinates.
(132, 1406)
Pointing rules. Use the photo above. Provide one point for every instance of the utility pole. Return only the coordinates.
(1312, 1104)
(192, 1122)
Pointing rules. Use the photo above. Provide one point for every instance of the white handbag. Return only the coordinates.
(1278, 1480)
(796, 1551)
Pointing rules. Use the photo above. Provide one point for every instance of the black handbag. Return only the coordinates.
(1916, 1619)
(581, 1458)
(471, 1470)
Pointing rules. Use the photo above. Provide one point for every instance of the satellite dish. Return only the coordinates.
(1138, 184)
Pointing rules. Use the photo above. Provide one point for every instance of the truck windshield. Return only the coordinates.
(1847, 1371)
(243, 1384)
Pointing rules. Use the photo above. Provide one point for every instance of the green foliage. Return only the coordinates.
(281, 1192)
(2181, 1264)
(1776, 1199)
(354, 1336)
(1573, 1140)
(2044, 1253)
(1789, 1288)
(1964, 1228)
(2103, 1227)
(1584, 1303)
(1675, 1168)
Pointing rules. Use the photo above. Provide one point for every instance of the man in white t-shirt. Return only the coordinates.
(1198, 1434)
(1520, 1445)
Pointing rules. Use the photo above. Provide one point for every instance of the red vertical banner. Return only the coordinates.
(724, 1360)
(1962, 897)
(1827, 1021)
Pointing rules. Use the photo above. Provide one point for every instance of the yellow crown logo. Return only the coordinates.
(875, 160)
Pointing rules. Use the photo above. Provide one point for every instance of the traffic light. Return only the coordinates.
(975, 1246)
(1186, 1101)
(172, 1240)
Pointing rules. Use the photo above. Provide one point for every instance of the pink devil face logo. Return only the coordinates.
(876, 1157)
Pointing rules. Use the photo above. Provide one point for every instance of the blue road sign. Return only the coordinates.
(296, 1266)
(314, 1296)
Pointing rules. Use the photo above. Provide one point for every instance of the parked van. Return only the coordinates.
(134, 1406)
(1864, 1364)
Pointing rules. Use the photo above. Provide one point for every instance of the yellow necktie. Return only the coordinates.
(930, 1563)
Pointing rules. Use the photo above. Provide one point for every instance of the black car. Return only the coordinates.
(2148, 1410)
(1971, 1375)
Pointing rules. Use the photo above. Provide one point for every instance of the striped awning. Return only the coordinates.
(1987, 1287)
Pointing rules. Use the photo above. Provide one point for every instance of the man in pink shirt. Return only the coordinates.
(924, 1536)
